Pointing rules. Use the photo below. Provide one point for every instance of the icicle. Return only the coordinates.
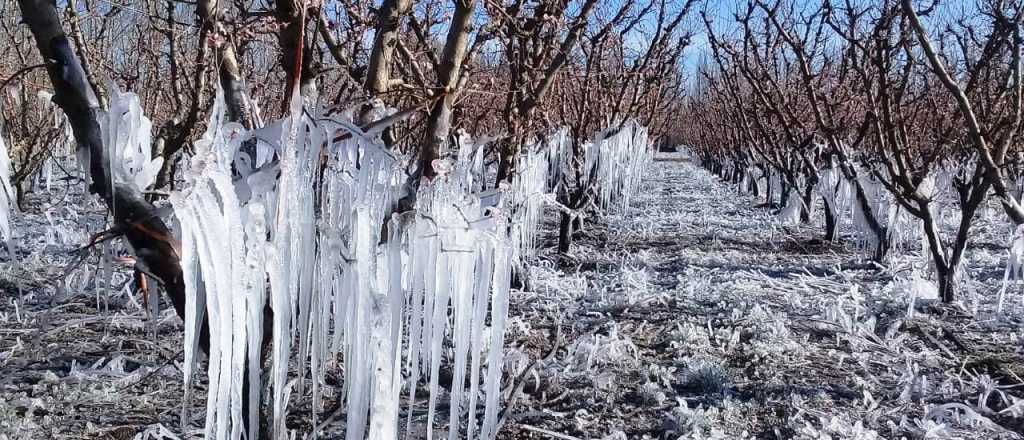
(499, 319)
(126, 138)
(338, 289)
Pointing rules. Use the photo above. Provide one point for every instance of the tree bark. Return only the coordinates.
(296, 57)
(831, 221)
(150, 238)
(808, 202)
(439, 121)
(389, 16)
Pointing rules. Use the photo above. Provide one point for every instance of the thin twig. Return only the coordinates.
(548, 433)
(23, 71)
(150, 374)
(521, 379)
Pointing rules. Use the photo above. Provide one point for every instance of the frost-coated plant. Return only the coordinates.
(702, 423)
(832, 428)
(595, 350)
(706, 377)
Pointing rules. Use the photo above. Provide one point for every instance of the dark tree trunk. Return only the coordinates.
(139, 220)
(831, 221)
(882, 247)
(565, 230)
(947, 284)
(808, 201)
(784, 194)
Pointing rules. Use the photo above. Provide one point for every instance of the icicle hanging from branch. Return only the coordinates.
(343, 289)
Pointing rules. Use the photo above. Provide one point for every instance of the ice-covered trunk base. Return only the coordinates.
(790, 214)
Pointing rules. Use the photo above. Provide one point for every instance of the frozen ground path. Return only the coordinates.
(696, 315)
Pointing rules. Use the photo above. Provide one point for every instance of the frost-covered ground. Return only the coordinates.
(692, 315)
(695, 315)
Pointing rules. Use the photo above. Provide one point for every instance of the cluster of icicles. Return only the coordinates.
(353, 285)
(618, 163)
(8, 198)
(838, 193)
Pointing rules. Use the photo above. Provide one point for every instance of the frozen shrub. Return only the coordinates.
(594, 351)
(651, 394)
(833, 429)
(685, 423)
(706, 377)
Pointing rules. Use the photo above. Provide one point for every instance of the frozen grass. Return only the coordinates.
(745, 328)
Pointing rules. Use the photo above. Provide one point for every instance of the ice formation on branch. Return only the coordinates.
(300, 216)
(352, 284)
(538, 171)
(613, 165)
(617, 162)
(126, 136)
(834, 190)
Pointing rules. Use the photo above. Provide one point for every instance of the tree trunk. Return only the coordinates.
(440, 118)
(947, 284)
(831, 221)
(296, 57)
(808, 204)
(565, 233)
(378, 72)
(881, 247)
(784, 193)
(157, 251)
